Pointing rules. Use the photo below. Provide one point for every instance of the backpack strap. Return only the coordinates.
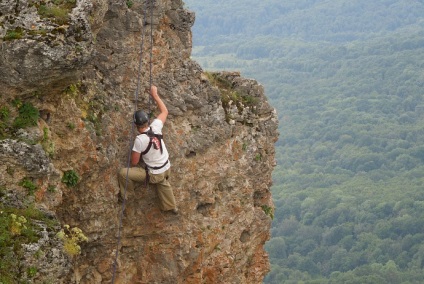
(148, 147)
(152, 135)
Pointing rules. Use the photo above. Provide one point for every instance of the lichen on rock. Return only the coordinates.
(39, 51)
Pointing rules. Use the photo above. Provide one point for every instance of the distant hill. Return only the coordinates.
(346, 78)
(310, 20)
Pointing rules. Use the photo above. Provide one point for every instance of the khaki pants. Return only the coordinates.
(138, 175)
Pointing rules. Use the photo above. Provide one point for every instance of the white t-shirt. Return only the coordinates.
(153, 158)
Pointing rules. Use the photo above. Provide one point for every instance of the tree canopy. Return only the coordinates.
(346, 78)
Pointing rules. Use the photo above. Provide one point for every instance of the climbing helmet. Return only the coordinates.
(140, 117)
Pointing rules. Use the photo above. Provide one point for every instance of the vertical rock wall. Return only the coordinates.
(220, 133)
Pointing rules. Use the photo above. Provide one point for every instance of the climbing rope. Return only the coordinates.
(151, 57)
(131, 139)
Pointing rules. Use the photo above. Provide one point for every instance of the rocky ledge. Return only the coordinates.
(68, 74)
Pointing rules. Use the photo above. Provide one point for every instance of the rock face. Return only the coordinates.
(80, 72)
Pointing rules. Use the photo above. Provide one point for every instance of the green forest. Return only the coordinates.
(347, 80)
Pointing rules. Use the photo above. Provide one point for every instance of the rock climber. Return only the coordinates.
(149, 146)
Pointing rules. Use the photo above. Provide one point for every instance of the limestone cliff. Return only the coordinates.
(68, 74)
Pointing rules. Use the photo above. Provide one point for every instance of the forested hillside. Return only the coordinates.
(347, 80)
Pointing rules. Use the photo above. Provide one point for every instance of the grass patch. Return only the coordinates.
(58, 12)
(229, 96)
(70, 178)
(28, 184)
(219, 81)
(32, 271)
(4, 113)
(14, 34)
(66, 3)
(70, 125)
(268, 211)
(28, 115)
(4, 121)
(258, 157)
(42, 32)
(73, 89)
(130, 3)
(10, 121)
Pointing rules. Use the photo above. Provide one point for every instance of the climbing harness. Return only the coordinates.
(155, 140)
(132, 124)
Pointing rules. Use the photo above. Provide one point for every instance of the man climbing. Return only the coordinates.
(151, 148)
